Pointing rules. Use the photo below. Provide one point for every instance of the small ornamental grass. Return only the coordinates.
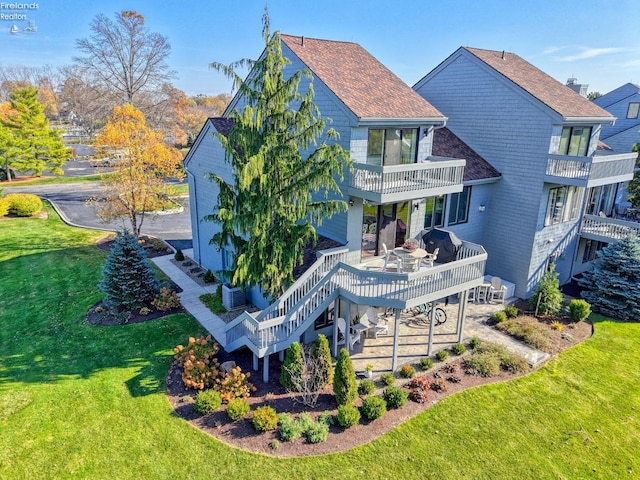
(425, 363)
(237, 408)
(207, 401)
(474, 343)
(407, 371)
(442, 355)
(458, 348)
(489, 358)
(388, 378)
(511, 311)
(373, 407)
(499, 317)
(264, 418)
(366, 387)
(529, 330)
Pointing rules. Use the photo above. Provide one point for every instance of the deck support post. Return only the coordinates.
(255, 362)
(281, 355)
(347, 333)
(462, 313)
(432, 322)
(396, 340)
(265, 369)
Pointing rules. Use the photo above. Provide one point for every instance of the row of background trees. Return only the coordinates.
(120, 62)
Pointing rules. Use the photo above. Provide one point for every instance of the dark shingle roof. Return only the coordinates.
(447, 144)
(223, 125)
(548, 90)
(359, 80)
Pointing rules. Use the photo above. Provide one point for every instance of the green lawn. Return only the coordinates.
(57, 180)
(88, 402)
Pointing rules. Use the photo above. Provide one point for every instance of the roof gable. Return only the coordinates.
(619, 94)
(367, 88)
(538, 84)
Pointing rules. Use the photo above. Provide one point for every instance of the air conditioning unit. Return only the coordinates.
(233, 297)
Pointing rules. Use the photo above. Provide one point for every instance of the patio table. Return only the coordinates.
(417, 253)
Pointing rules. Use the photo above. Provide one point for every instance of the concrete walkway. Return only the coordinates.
(190, 297)
(475, 323)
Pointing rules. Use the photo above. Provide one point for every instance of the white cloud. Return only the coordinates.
(589, 53)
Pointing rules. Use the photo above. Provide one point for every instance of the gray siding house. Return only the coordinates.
(555, 188)
(397, 186)
(624, 104)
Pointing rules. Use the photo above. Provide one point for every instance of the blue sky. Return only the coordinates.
(595, 41)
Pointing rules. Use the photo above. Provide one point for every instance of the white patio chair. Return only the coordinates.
(431, 257)
(498, 291)
(390, 258)
(342, 329)
(374, 322)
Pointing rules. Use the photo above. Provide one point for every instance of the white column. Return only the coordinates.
(396, 340)
(255, 362)
(265, 371)
(432, 321)
(462, 313)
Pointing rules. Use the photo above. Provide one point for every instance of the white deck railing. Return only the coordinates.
(591, 168)
(611, 228)
(395, 179)
(290, 315)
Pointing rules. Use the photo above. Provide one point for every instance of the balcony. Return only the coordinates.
(604, 229)
(398, 183)
(589, 172)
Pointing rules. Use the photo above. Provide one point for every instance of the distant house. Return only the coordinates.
(624, 104)
(542, 137)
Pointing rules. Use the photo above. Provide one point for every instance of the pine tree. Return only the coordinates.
(128, 281)
(345, 387)
(38, 147)
(547, 297)
(293, 366)
(322, 353)
(612, 287)
(268, 215)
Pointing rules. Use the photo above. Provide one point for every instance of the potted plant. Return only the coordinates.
(410, 245)
(369, 370)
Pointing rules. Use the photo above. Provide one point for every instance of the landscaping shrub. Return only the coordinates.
(128, 280)
(200, 368)
(4, 206)
(373, 407)
(486, 364)
(547, 297)
(366, 387)
(579, 310)
(442, 355)
(438, 385)
(208, 277)
(348, 416)
(234, 384)
(499, 317)
(158, 244)
(322, 354)
(418, 395)
(407, 371)
(179, 256)
(420, 383)
(529, 330)
(23, 204)
(292, 366)
(274, 444)
(395, 397)
(166, 300)
(326, 417)
(207, 401)
(388, 378)
(425, 363)
(458, 348)
(474, 343)
(511, 311)
(316, 433)
(290, 429)
(264, 418)
(557, 325)
(513, 363)
(345, 387)
(237, 408)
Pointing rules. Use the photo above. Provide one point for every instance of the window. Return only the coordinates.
(575, 141)
(632, 111)
(434, 215)
(563, 205)
(392, 146)
(459, 207)
(591, 248)
(326, 318)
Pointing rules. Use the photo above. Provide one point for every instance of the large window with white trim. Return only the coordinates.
(392, 146)
(434, 212)
(459, 206)
(563, 204)
(575, 141)
(633, 109)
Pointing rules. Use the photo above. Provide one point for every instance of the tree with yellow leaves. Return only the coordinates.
(137, 186)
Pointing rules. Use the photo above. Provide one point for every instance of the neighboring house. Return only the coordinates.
(542, 137)
(624, 104)
(397, 187)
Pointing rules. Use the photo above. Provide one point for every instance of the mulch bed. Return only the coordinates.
(243, 435)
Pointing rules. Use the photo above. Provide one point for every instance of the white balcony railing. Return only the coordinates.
(272, 329)
(413, 180)
(590, 171)
(608, 228)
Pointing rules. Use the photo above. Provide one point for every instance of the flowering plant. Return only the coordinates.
(411, 244)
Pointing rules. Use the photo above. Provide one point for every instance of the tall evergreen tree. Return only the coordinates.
(612, 287)
(547, 297)
(128, 280)
(292, 367)
(345, 387)
(267, 216)
(322, 353)
(33, 145)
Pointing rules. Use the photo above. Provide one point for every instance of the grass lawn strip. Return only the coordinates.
(88, 402)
